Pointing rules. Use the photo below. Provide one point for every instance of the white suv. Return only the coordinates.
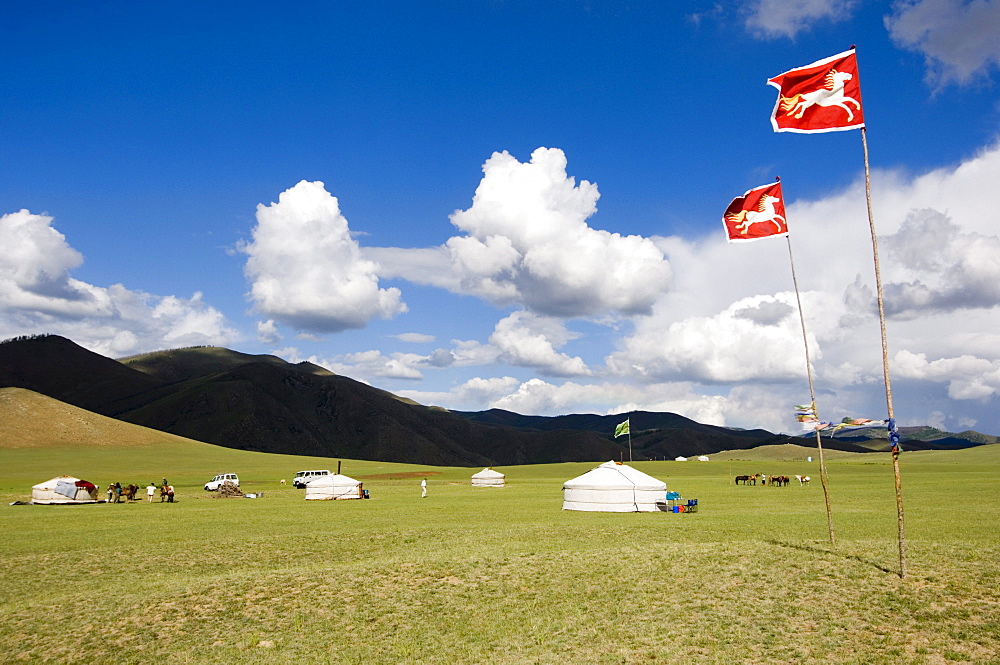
(302, 478)
(217, 482)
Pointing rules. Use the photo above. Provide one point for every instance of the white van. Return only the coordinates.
(217, 482)
(302, 478)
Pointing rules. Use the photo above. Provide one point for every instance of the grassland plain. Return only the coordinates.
(499, 575)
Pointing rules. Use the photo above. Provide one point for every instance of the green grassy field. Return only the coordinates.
(499, 575)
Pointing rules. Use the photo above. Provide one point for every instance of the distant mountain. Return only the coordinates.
(876, 439)
(263, 403)
(174, 366)
(655, 435)
(57, 367)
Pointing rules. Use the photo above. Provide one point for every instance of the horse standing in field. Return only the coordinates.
(780, 481)
(802, 480)
(747, 480)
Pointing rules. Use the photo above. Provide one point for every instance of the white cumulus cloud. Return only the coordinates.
(948, 269)
(527, 242)
(267, 332)
(960, 39)
(38, 295)
(527, 340)
(473, 395)
(787, 18)
(307, 271)
(967, 377)
(755, 338)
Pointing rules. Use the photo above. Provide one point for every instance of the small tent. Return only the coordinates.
(703, 458)
(64, 489)
(614, 488)
(333, 486)
(488, 478)
(680, 458)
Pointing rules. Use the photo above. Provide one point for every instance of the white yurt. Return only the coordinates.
(334, 486)
(702, 458)
(488, 478)
(680, 458)
(64, 489)
(614, 488)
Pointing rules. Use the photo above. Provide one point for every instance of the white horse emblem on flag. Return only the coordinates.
(832, 94)
(765, 212)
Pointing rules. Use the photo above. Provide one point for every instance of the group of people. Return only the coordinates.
(116, 492)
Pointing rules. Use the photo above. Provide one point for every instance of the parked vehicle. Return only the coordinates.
(302, 478)
(215, 483)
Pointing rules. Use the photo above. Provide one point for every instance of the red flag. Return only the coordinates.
(759, 213)
(822, 97)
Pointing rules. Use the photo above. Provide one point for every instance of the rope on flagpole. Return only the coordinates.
(885, 362)
(812, 396)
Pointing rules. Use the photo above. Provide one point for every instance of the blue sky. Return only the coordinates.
(512, 204)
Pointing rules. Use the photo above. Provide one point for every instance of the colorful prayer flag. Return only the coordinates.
(806, 415)
(622, 429)
(822, 97)
(759, 213)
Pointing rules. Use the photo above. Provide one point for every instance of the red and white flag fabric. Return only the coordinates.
(759, 213)
(822, 97)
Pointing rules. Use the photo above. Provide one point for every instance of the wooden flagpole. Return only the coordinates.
(885, 364)
(812, 396)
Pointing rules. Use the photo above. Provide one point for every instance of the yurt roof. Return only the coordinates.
(488, 473)
(613, 474)
(51, 484)
(333, 480)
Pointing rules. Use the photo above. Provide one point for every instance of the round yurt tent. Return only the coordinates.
(488, 478)
(614, 488)
(64, 489)
(333, 486)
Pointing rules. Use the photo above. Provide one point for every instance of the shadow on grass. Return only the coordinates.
(820, 550)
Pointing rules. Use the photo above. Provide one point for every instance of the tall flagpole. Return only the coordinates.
(630, 442)
(812, 396)
(893, 434)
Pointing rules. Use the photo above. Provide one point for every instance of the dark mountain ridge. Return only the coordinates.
(263, 403)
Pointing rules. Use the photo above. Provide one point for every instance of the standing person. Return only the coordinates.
(111, 492)
(170, 493)
(163, 492)
(150, 490)
(118, 492)
(423, 488)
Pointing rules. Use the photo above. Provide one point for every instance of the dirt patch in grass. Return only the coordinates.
(402, 475)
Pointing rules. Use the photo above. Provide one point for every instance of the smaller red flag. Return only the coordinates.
(759, 213)
(822, 97)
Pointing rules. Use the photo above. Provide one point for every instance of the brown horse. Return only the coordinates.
(747, 480)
